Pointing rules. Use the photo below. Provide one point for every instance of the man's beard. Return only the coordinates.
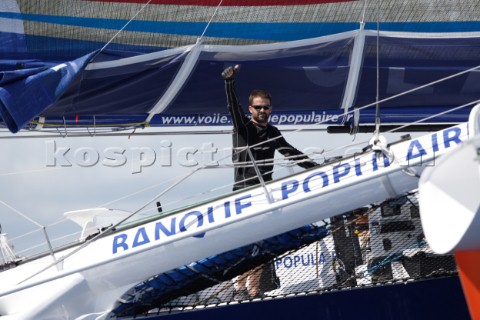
(263, 119)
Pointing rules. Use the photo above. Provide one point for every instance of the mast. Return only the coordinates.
(7, 252)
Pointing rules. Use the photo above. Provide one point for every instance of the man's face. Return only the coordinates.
(260, 110)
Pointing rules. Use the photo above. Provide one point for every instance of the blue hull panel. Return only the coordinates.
(440, 298)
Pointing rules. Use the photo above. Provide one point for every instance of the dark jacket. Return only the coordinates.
(247, 133)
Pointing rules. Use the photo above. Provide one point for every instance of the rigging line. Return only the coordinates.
(122, 28)
(110, 229)
(399, 95)
(35, 223)
(24, 235)
(54, 223)
(147, 188)
(217, 188)
(377, 108)
(384, 100)
(241, 149)
(65, 126)
(230, 184)
(153, 199)
(21, 214)
(182, 200)
(213, 189)
(210, 21)
(79, 132)
(435, 115)
(364, 11)
(409, 170)
(387, 99)
(75, 132)
(39, 245)
(26, 171)
(406, 125)
(409, 91)
(135, 193)
(70, 125)
(171, 179)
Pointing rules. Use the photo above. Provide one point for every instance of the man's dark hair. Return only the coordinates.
(259, 93)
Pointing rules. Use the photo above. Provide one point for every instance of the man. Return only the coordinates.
(256, 133)
(262, 139)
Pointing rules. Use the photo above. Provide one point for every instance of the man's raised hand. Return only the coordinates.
(229, 72)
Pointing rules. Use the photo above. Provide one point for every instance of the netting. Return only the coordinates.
(65, 28)
(86, 61)
(375, 245)
(217, 271)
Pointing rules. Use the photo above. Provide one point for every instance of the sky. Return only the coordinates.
(44, 176)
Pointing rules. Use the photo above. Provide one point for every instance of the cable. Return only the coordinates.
(111, 228)
(377, 97)
(122, 28)
(21, 214)
(208, 24)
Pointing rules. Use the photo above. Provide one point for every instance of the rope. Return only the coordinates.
(322, 121)
(435, 115)
(377, 97)
(388, 99)
(111, 228)
(209, 22)
(25, 171)
(21, 214)
(122, 28)
(327, 152)
(243, 164)
(134, 193)
(364, 10)
(68, 125)
(394, 256)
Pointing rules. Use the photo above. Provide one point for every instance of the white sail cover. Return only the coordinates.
(120, 63)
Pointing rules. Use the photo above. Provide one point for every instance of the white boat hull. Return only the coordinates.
(90, 280)
(449, 200)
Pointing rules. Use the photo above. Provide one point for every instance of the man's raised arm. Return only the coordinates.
(238, 116)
